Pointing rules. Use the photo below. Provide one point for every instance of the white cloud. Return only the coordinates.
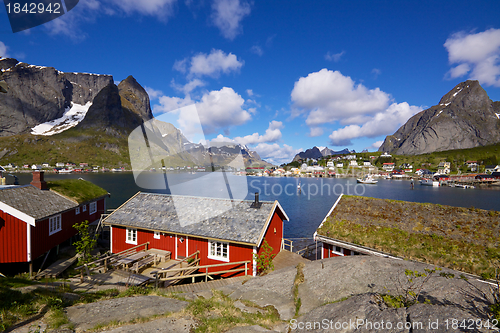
(227, 15)
(217, 109)
(3, 50)
(257, 50)
(315, 131)
(327, 96)
(153, 94)
(168, 104)
(212, 64)
(273, 134)
(188, 87)
(376, 145)
(334, 57)
(162, 9)
(382, 123)
(376, 72)
(275, 154)
(221, 109)
(89, 10)
(475, 54)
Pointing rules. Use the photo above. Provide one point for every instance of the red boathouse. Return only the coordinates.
(36, 218)
(223, 230)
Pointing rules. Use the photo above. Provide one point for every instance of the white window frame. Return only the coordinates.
(216, 250)
(55, 224)
(93, 207)
(77, 210)
(156, 235)
(339, 253)
(84, 208)
(131, 236)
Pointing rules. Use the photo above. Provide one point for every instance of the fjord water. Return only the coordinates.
(306, 209)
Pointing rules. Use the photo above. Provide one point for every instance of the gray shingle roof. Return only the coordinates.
(35, 202)
(206, 217)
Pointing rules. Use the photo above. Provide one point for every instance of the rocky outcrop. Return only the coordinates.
(464, 118)
(107, 113)
(135, 98)
(39, 94)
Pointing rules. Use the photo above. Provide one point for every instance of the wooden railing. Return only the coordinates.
(180, 271)
(307, 250)
(287, 242)
(110, 259)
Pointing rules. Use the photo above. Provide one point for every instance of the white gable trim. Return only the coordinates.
(28, 241)
(17, 213)
(331, 210)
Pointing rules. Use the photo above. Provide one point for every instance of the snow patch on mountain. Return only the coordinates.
(72, 116)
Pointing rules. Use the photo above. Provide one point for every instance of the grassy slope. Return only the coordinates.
(95, 148)
(77, 189)
(465, 239)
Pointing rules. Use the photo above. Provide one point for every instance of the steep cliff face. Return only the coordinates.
(464, 118)
(39, 94)
(135, 98)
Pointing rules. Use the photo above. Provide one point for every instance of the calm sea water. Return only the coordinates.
(306, 209)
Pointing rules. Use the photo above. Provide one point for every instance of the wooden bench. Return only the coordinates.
(143, 263)
(161, 255)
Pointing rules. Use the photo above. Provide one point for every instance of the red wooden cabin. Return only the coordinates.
(34, 219)
(222, 230)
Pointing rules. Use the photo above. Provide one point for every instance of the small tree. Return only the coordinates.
(86, 243)
(265, 259)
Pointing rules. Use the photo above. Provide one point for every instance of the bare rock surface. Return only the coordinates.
(174, 325)
(124, 309)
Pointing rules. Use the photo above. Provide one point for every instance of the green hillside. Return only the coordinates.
(77, 146)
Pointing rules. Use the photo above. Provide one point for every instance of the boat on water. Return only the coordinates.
(464, 186)
(429, 182)
(368, 179)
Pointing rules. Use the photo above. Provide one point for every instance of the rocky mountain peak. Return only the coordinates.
(464, 118)
(468, 95)
(135, 98)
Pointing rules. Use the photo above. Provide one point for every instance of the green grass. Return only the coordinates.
(95, 148)
(77, 189)
(218, 314)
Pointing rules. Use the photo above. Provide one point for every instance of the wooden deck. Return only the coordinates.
(57, 268)
(214, 284)
(286, 259)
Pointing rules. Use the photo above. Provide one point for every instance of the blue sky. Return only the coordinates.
(279, 76)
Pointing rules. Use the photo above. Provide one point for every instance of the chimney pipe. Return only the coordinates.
(38, 180)
(256, 203)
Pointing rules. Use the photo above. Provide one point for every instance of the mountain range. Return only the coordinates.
(464, 118)
(316, 153)
(51, 116)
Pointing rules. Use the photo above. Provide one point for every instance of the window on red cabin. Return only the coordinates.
(218, 250)
(131, 236)
(92, 207)
(55, 224)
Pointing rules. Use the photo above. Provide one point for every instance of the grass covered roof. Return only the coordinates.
(464, 239)
(78, 190)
